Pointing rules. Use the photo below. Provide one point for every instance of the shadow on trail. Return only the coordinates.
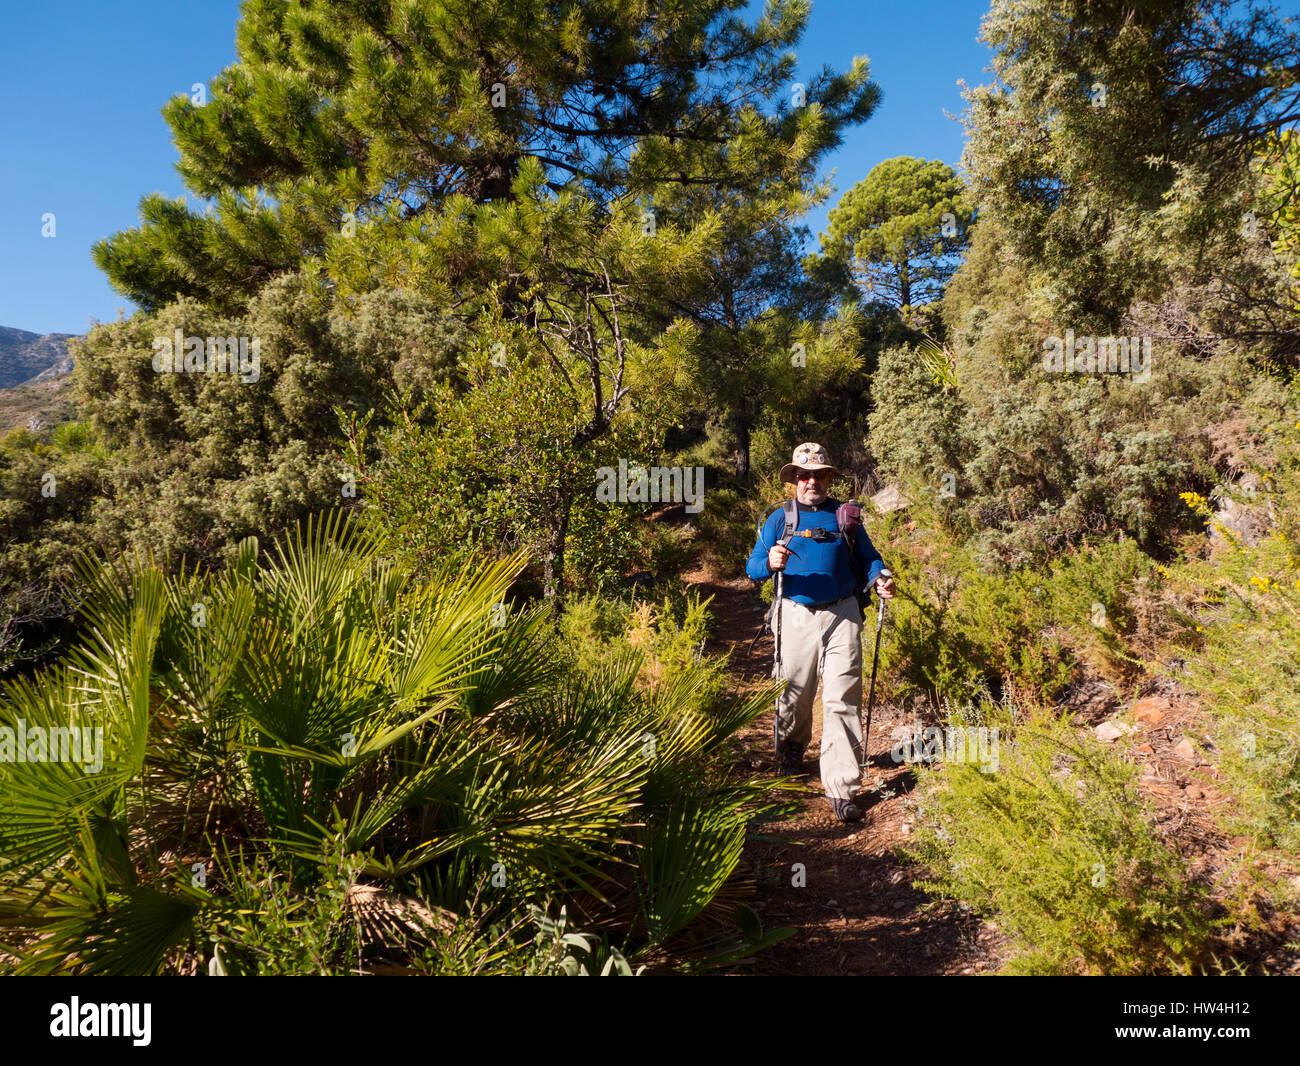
(854, 912)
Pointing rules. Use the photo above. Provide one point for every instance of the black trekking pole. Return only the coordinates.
(776, 659)
(875, 661)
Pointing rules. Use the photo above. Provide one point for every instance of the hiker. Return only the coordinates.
(820, 624)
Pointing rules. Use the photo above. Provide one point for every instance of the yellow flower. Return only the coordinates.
(1196, 502)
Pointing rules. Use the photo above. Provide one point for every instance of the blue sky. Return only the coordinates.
(84, 81)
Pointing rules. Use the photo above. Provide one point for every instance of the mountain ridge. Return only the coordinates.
(28, 358)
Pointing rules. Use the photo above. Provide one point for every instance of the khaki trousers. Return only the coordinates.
(825, 643)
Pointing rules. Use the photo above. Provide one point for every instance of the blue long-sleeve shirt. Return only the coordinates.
(816, 572)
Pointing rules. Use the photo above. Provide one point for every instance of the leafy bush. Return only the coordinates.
(672, 637)
(668, 640)
(1057, 845)
(589, 628)
(958, 628)
(1030, 463)
(916, 426)
(271, 928)
(604, 543)
(728, 525)
(1241, 643)
(496, 461)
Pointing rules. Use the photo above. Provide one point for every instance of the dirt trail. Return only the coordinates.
(856, 912)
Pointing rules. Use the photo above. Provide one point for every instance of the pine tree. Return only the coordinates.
(521, 168)
(754, 315)
(337, 115)
(1116, 148)
(900, 230)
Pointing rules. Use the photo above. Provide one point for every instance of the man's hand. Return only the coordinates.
(885, 588)
(777, 556)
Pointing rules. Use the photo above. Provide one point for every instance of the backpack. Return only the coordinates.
(848, 537)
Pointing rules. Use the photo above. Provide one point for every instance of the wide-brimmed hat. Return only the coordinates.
(807, 456)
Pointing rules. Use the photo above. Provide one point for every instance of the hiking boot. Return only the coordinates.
(845, 810)
(791, 758)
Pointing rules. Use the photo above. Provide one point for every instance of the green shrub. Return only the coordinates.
(590, 627)
(1057, 845)
(271, 928)
(1029, 464)
(674, 634)
(917, 424)
(958, 627)
(605, 542)
(729, 521)
(668, 640)
(1241, 643)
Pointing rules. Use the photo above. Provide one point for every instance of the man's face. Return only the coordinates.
(810, 486)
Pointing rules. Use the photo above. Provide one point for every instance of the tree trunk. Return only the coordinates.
(742, 444)
(553, 550)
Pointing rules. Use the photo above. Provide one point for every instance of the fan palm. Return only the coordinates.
(279, 715)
